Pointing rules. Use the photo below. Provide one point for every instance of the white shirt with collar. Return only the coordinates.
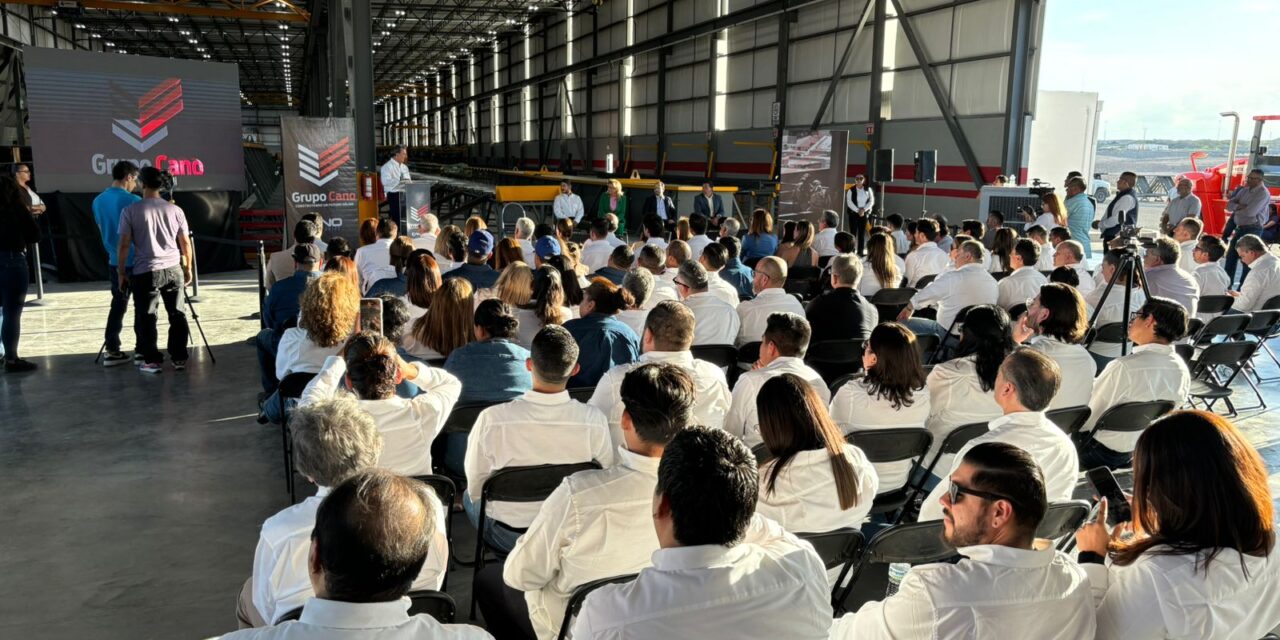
(596, 524)
(926, 260)
(281, 580)
(1173, 595)
(722, 289)
(1077, 366)
(856, 199)
(824, 242)
(1112, 311)
(697, 243)
(854, 408)
(995, 591)
(526, 250)
(408, 426)
(634, 318)
(900, 242)
(754, 313)
(770, 585)
(657, 242)
(804, 498)
(1168, 281)
(428, 241)
(298, 354)
(1016, 287)
(1186, 259)
(710, 390)
(393, 176)
(743, 420)
(869, 285)
(334, 620)
(372, 260)
(1213, 281)
(955, 290)
(1087, 281)
(716, 321)
(614, 241)
(595, 254)
(663, 290)
(1151, 372)
(1262, 284)
(1032, 432)
(956, 398)
(536, 428)
(567, 205)
(1045, 263)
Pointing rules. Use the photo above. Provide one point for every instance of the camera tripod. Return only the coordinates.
(1130, 267)
(195, 316)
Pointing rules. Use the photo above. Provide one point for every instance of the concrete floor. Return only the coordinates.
(132, 503)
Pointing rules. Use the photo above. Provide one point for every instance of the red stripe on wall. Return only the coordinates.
(940, 192)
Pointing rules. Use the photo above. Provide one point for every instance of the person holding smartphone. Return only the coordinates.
(1198, 559)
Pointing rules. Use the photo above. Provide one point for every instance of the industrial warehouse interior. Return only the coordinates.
(552, 319)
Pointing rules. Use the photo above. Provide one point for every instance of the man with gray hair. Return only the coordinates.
(966, 285)
(524, 237)
(1263, 282)
(428, 229)
(1070, 253)
(332, 441)
(654, 260)
(1165, 279)
(1248, 205)
(716, 321)
(825, 241)
(729, 228)
(639, 282)
(842, 313)
(1181, 206)
(767, 283)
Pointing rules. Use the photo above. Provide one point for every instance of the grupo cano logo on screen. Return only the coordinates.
(143, 122)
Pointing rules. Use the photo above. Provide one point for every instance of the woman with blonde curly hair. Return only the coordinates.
(447, 325)
(329, 306)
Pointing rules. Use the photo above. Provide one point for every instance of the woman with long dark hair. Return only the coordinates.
(799, 251)
(1198, 558)
(568, 280)
(960, 390)
(892, 394)
(545, 306)
(422, 278)
(18, 231)
(815, 481)
(1001, 249)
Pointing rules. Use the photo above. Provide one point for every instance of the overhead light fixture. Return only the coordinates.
(80, 25)
(173, 19)
(191, 40)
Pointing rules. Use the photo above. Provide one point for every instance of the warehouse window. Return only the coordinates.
(568, 79)
(527, 92)
(628, 66)
(496, 117)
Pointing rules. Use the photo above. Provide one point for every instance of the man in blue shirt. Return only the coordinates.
(282, 305)
(477, 270)
(619, 262)
(106, 212)
(734, 272)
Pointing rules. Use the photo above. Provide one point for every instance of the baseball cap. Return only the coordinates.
(481, 242)
(307, 252)
(546, 247)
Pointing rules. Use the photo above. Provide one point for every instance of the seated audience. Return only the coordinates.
(573, 289)
(653, 231)
(506, 252)
(370, 367)
(620, 260)
(1055, 324)
(1023, 281)
(759, 241)
(927, 259)
(524, 236)
(1057, 236)
(283, 264)
(395, 317)
(720, 572)
(332, 441)
(698, 238)
(901, 239)
(968, 285)
(1263, 280)
(345, 266)
(604, 341)
(393, 280)
(1165, 279)
(447, 325)
(882, 268)
(542, 426)
(543, 248)
(734, 272)
(428, 231)
(281, 308)
(1112, 309)
(713, 259)
(844, 243)
(514, 286)
(717, 320)
(842, 313)
(1200, 560)
(1070, 253)
(491, 367)
(1002, 249)
(824, 241)
(338, 247)
(1209, 274)
(597, 249)
(373, 260)
(1187, 235)
(1153, 371)
(640, 283)
(815, 481)
(546, 305)
(451, 248)
(770, 297)
(890, 395)
(1026, 382)
(597, 524)
(613, 222)
(1066, 275)
(667, 337)
(976, 230)
(1038, 235)
(654, 260)
(422, 279)
(329, 307)
(799, 252)
(477, 270)
(473, 224)
(683, 231)
(782, 346)
(993, 503)
(678, 253)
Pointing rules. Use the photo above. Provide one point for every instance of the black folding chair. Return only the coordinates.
(955, 323)
(437, 604)
(843, 380)
(926, 344)
(834, 358)
(823, 261)
(447, 492)
(914, 543)
(517, 484)
(882, 446)
(925, 281)
(839, 548)
(580, 595)
(1062, 519)
(1000, 275)
(1129, 417)
(951, 445)
(749, 353)
(1110, 333)
(1214, 304)
(803, 281)
(1265, 336)
(724, 356)
(890, 302)
(1070, 419)
(463, 417)
(582, 394)
(1209, 383)
(290, 388)
(1222, 327)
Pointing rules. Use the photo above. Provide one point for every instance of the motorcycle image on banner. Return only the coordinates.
(320, 174)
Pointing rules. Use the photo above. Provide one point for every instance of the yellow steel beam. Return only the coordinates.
(233, 10)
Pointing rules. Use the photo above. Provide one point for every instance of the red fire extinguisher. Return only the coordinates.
(366, 186)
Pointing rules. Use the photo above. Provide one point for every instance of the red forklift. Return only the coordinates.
(1214, 186)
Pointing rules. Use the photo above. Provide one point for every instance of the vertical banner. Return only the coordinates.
(417, 203)
(320, 174)
(813, 174)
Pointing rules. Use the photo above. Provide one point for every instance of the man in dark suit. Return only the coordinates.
(842, 313)
(708, 204)
(661, 205)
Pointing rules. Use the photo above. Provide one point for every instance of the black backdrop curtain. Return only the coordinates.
(72, 242)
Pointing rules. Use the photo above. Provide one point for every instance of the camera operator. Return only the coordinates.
(157, 231)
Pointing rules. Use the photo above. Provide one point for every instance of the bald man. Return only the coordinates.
(767, 283)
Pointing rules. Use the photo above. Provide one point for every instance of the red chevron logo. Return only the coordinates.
(160, 105)
(335, 156)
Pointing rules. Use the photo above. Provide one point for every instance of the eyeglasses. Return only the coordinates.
(677, 281)
(957, 491)
(1136, 316)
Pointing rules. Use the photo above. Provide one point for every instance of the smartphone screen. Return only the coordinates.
(1104, 483)
(371, 315)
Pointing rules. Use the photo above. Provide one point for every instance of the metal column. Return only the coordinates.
(1013, 155)
(875, 115)
(356, 25)
(780, 89)
(337, 32)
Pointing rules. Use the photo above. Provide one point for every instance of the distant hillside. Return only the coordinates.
(1114, 156)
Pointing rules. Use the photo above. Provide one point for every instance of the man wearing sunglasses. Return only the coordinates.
(1009, 583)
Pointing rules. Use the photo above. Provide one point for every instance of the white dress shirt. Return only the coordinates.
(1077, 366)
(534, 429)
(281, 580)
(804, 499)
(1187, 259)
(955, 290)
(298, 354)
(567, 205)
(743, 420)
(595, 254)
(393, 176)
(824, 242)
(1087, 281)
(1173, 595)
(900, 242)
(372, 260)
(596, 524)
(634, 318)
(1018, 286)
(722, 289)
(856, 199)
(663, 290)
(926, 260)
(333, 620)
(1047, 221)
(1045, 263)
(530, 325)
(1262, 284)
(994, 592)
(770, 585)
(754, 314)
(696, 244)
(869, 285)
(710, 390)
(1213, 281)
(855, 409)
(408, 426)
(956, 398)
(1168, 281)
(1152, 372)
(526, 250)
(1032, 432)
(1112, 311)
(716, 321)
(428, 241)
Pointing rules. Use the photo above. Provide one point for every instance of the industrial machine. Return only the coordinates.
(1213, 186)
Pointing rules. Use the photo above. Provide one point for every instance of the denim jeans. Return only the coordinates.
(268, 343)
(1095, 454)
(1232, 257)
(498, 536)
(115, 317)
(149, 290)
(15, 278)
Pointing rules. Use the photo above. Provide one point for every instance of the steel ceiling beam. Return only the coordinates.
(234, 10)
